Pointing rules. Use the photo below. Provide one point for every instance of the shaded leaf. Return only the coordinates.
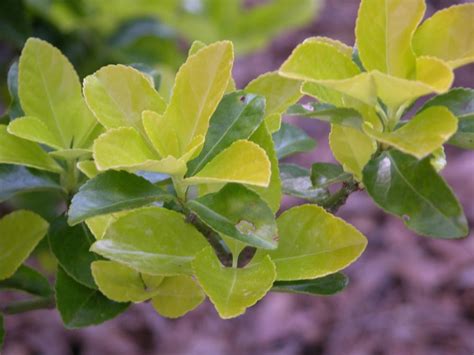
(112, 191)
(412, 190)
(70, 246)
(290, 140)
(28, 280)
(238, 213)
(337, 115)
(18, 179)
(327, 285)
(296, 181)
(80, 306)
(325, 174)
(236, 117)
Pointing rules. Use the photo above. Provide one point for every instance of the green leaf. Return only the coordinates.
(17, 180)
(343, 116)
(296, 181)
(98, 225)
(460, 101)
(14, 150)
(272, 193)
(88, 168)
(113, 191)
(233, 290)
(70, 246)
(124, 148)
(50, 91)
(351, 148)
(71, 154)
(35, 130)
(20, 232)
(422, 135)
(327, 285)
(80, 306)
(236, 117)
(238, 213)
(384, 30)
(411, 189)
(290, 140)
(14, 110)
(176, 296)
(313, 243)
(199, 86)
(243, 162)
(447, 36)
(118, 94)
(326, 174)
(152, 240)
(279, 93)
(28, 280)
(123, 284)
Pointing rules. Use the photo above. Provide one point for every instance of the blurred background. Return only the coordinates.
(407, 294)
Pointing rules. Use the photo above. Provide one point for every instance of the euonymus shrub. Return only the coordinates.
(174, 201)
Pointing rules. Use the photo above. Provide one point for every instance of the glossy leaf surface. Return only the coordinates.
(296, 181)
(239, 213)
(113, 191)
(28, 280)
(412, 190)
(325, 286)
(292, 139)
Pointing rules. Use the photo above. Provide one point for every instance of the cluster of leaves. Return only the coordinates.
(168, 201)
(367, 93)
(175, 200)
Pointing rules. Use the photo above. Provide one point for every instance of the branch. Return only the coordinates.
(336, 200)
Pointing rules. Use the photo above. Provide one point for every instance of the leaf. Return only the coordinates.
(296, 182)
(112, 191)
(152, 240)
(447, 36)
(411, 189)
(272, 193)
(238, 213)
(343, 116)
(20, 232)
(351, 148)
(71, 154)
(460, 102)
(124, 148)
(98, 225)
(123, 284)
(176, 296)
(14, 150)
(118, 94)
(326, 174)
(70, 246)
(35, 130)
(49, 90)
(88, 168)
(236, 117)
(14, 109)
(313, 243)
(28, 280)
(17, 180)
(232, 290)
(327, 285)
(384, 30)
(199, 86)
(279, 93)
(290, 140)
(243, 162)
(80, 306)
(422, 135)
